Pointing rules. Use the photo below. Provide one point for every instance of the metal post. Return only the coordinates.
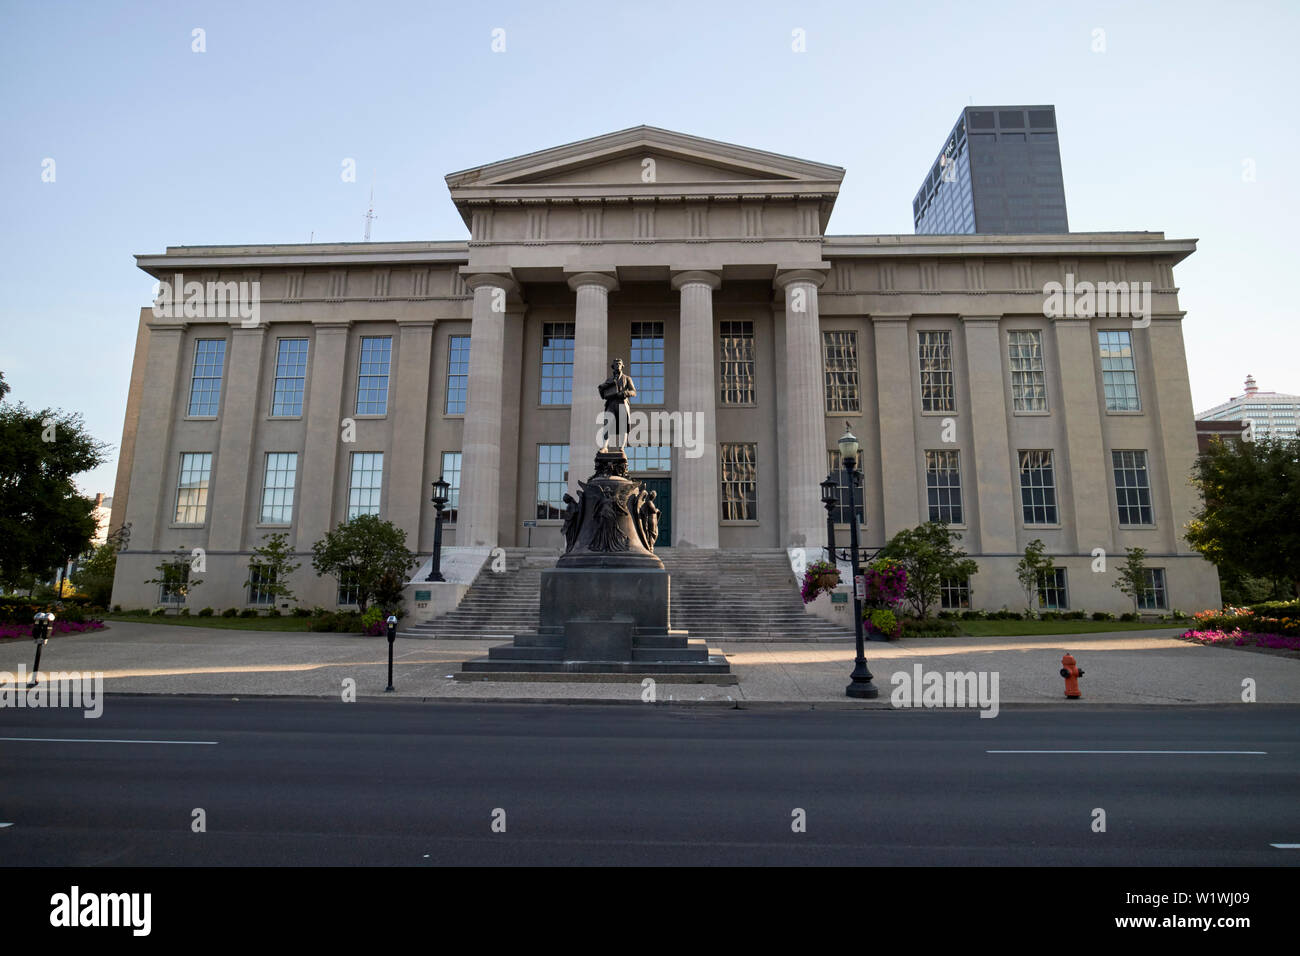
(436, 573)
(392, 637)
(860, 681)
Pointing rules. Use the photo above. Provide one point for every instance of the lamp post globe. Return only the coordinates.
(441, 491)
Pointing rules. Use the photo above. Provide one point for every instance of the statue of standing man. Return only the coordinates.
(616, 390)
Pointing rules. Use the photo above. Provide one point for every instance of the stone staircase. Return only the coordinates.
(716, 596)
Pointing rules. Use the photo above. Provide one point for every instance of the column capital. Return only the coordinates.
(813, 276)
(696, 277)
(499, 280)
(605, 280)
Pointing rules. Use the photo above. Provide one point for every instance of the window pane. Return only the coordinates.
(649, 458)
(277, 487)
(451, 475)
(1153, 597)
(366, 483)
(192, 488)
(954, 593)
(736, 354)
(1028, 383)
(290, 377)
(1118, 373)
(372, 377)
(840, 352)
(1051, 590)
(943, 486)
(205, 386)
(457, 374)
(557, 363)
(935, 349)
(258, 579)
(349, 590)
(552, 480)
(739, 476)
(1038, 488)
(1132, 487)
(646, 363)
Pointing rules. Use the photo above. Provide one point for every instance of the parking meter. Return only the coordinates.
(42, 624)
(392, 637)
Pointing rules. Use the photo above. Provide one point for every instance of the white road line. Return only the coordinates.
(1280, 846)
(1214, 752)
(105, 740)
(3, 825)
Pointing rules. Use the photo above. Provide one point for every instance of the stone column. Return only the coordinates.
(899, 487)
(994, 479)
(478, 523)
(803, 456)
(1171, 405)
(328, 385)
(1086, 463)
(407, 488)
(161, 393)
(590, 368)
(234, 468)
(695, 482)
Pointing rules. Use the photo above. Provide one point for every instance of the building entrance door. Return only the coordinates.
(663, 489)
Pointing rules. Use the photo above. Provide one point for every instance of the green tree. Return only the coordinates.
(928, 554)
(371, 552)
(44, 520)
(1247, 524)
(1029, 572)
(1132, 578)
(96, 573)
(174, 576)
(275, 559)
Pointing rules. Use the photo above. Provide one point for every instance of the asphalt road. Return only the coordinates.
(409, 783)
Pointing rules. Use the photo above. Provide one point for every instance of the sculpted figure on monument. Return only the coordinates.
(616, 390)
(572, 516)
(649, 519)
(609, 535)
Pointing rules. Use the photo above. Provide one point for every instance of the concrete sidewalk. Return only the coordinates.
(1146, 667)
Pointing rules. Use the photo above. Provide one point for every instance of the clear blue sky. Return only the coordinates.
(156, 145)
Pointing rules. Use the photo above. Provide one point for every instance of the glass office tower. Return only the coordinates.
(999, 171)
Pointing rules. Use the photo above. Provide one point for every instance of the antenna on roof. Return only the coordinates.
(370, 213)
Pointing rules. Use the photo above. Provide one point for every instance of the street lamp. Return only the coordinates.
(860, 684)
(440, 497)
(830, 494)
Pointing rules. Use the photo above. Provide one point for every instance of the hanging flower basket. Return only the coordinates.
(821, 577)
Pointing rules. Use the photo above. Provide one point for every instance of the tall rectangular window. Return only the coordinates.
(954, 593)
(349, 589)
(935, 354)
(1118, 372)
(1153, 596)
(205, 385)
(1132, 487)
(290, 377)
(451, 475)
(739, 476)
(646, 363)
(259, 579)
(557, 363)
(552, 480)
(372, 375)
(943, 486)
(457, 374)
(840, 359)
(1028, 380)
(366, 483)
(166, 595)
(845, 502)
(192, 488)
(1052, 594)
(278, 482)
(649, 458)
(736, 371)
(1038, 488)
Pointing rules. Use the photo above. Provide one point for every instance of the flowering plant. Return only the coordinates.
(883, 621)
(819, 577)
(1241, 638)
(886, 582)
(60, 627)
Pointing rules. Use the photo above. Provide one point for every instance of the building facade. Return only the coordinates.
(1261, 414)
(999, 172)
(753, 338)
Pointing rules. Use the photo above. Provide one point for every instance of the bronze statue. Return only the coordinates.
(571, 515)
(649, 519)
(616, 390)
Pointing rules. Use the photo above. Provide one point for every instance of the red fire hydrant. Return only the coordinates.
(1071, 672)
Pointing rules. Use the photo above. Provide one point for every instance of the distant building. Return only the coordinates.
(1270, 414)
(999, 172)
(1226, 430)
(103, 514)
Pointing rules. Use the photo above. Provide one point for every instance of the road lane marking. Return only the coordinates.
(3, 825)
(1214, 752)
(105, 740)
(1280, 846)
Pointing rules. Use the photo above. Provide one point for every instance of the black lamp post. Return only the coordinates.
(440, 491)
(830, 492)
(860, 684)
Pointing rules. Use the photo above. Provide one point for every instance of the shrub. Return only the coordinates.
(248, 612)
(272, 612)
(928, 627)
(1102, 616)
(974, 615)
(158, 611)
(1050, 616)
(206, 612)
(1075, 616)
(117, 609)
(1130, 616)
(301, 611)
(1005, 615)
(230, 612)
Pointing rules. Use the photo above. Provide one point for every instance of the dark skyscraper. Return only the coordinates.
(998, 172)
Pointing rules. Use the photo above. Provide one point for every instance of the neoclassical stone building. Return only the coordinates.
(369, 369)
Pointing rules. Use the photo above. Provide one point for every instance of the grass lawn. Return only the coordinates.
(1031, 628)
(229, 623)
